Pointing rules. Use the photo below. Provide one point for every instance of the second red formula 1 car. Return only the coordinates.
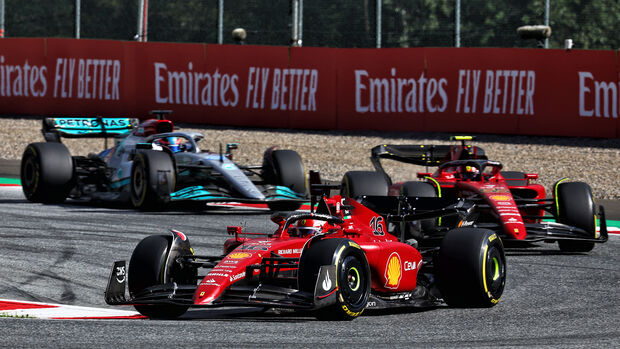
(508, 202)
(336, 262)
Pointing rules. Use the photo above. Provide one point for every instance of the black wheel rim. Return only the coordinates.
(29, 174)
(137, 182)
(495, 272)
(352, 281)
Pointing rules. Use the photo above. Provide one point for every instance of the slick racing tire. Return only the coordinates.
(352, 273)
(424, 190)
(359, 183)
(46, 172)
(576, 207)
(152, 180)
(471, 268)
(284, 167)
(146, 269)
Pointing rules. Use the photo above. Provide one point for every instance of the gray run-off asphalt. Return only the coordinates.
(62, 254)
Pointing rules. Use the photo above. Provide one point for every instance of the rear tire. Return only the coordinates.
(471, 268)
(146, 269)
(576, 207)
(424, 190)
(360, 183)
(285, 168)
(152, 180)
(46, 172)
(353, 276)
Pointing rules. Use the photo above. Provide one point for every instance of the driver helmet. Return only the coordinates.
(173, 143)
(307, 227)
(471, 172)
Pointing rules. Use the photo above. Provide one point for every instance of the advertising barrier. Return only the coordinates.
(475, 90)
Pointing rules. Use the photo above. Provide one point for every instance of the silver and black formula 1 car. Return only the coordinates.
(151, 165)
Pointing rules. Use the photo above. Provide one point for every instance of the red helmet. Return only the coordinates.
(309, 227)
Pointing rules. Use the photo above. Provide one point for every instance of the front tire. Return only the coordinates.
(352, 273)
(471, 268)
(576, 207)
(146, 269)
(360, 183)
(152, 179)
(46, 172)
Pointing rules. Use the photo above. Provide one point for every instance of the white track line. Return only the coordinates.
(15, 308)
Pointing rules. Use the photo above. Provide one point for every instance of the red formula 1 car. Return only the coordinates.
(508, 202)
(335, 262)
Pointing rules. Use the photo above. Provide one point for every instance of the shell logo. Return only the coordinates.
(239, 255)
(500, 198)
(393, 271)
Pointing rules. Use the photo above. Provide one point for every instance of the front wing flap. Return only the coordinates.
(212, 194)
(238, 294)
(553, 231)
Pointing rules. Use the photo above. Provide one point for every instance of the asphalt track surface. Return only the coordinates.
(63, 254)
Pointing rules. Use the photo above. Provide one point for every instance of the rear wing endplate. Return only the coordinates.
(85, 127)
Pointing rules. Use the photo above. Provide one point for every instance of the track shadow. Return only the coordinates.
(254, 314)
(540, 252)
(251, 314)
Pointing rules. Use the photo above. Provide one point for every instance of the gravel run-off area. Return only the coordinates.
(595, 161)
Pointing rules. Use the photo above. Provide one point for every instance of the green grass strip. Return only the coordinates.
(10, 181)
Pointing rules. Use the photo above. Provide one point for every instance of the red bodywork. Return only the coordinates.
(153, 126)
(492, 187)
(394, 265)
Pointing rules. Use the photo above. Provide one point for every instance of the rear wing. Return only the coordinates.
(85, 127)
(425, 155)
